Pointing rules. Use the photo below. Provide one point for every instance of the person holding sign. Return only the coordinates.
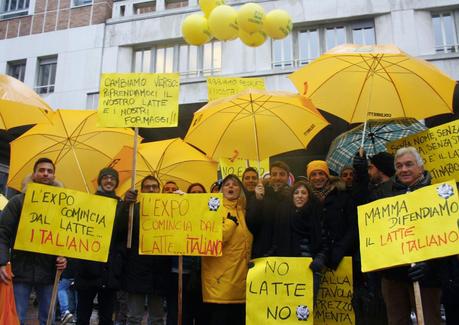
(298, 230)
(261, 210)
(224, 277)
(30, 270)
(145, 276)
(98, 278)
(397, 287)
(339, 211)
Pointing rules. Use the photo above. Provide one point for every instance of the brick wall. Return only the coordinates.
(52, 15)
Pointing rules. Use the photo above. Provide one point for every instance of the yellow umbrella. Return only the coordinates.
(255, 124)
(20, 105)
(73, 141)
(167, 160)
(358, 82)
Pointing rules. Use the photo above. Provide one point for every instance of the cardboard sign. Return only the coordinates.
(148, 100)
(334, 299)
(174, 224)
(279, 291)
(409, 228)
(237, 166)
(439, 147)
(65, 222)
(224, 87)
(3, 201)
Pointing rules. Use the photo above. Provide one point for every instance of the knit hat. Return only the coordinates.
(108, 171)
(384, 161)
(317, 165)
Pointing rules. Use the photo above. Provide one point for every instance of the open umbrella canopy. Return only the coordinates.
(20, 105)
(167, 160)
(357, 83)
(377, 134)
(77, 146)
(255, 124)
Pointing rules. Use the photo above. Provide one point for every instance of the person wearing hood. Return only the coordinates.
(98, 278)
(29, 269)
(224, 277)
(397, 282)
(339, 211)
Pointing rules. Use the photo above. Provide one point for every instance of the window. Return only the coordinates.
(305, 44)
(13, 8)
(77, 3)
(308, 45)
(445, 35)
(92, 101)
(189, 61)
(282, 54)
(16, 69)
(172, 4)
(46, 75)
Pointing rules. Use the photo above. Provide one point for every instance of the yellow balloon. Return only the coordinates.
(252, 39)
(250, 17)
(195, 30)
(277, 24)
(208, 5)
(223, 23)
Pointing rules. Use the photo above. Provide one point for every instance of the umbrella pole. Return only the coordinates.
(361, 151)
(52, 304)
(132, 205)
(180, 290)
(418, 301)
(79, 168)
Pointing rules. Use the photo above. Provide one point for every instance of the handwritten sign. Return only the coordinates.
(65, 222)
(224, 87)
(279, 290)
(409, 228)
(439, 147)
(237, 166)
(148, 100)
(334, 299)
(188, 224)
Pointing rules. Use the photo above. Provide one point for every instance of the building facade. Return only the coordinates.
(60, 47)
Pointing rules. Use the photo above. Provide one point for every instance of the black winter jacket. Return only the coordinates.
(90, 274)
(144, 273)
(261, 216)
(26, 266)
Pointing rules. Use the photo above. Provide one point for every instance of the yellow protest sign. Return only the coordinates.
(237, 166)
(65, 222)
(3, 201)
(148, 100)
(409, 228)
(334, 299)
(188, 224)
(224, 87)
(279, 290)
(439, 147)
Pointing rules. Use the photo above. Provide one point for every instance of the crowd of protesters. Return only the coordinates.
(314, 217)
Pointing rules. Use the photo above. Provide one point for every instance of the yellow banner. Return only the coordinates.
(224, 87)
(174, 224)
(237, 166)
(279, 291)
(334, 299)
(148, 100)
(439, 147)
(65, 222)
(409, 228)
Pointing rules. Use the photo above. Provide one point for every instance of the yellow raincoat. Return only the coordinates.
(223, 278)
